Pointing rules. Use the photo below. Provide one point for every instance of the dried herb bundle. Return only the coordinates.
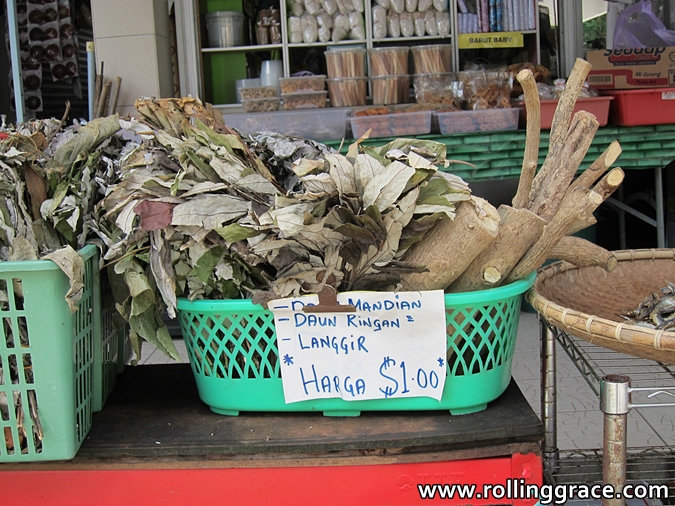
(199, 214)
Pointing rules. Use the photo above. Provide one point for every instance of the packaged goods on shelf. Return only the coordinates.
(477, 121)
(389, 61)
(302, 83)
(432, 58)
(261, 104)
(443, 89)
(306, 100)
(410, 18)
(258, 92)
(391, 89)
(388, 122)
(316, 124)
(346, 62)
(348, 91)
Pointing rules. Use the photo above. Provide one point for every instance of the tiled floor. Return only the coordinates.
(579, 416)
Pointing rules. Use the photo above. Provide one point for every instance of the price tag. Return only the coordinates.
(394, 345)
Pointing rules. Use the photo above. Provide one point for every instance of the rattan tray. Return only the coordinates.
(587, 302)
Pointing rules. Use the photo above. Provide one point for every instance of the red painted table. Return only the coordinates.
(155, 442)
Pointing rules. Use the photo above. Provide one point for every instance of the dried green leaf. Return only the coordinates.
(72, 265)
(319, 183)
(305, 166)
(236, 232)
(89, 136)
(209, 211)
(386, 187)
(343, 173)
(162, 271)
(256, 183)
(367, 167)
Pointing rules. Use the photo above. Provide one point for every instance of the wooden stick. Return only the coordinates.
(475, 226)
(561, 122)
(519, 229)
(102, 99)
(564, 165)
(99, 87)
(114, 96)
(583, 253)
(609, 184)
(605, 187)
(598, 167)
(582, 223)
(565, 108)
(532, 137)
(97, 92)
(579, 203)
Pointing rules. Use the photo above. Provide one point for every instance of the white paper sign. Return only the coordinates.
(394, 345)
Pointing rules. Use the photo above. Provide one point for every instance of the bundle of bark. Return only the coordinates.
(484, 247)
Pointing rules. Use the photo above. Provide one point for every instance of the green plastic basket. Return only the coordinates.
(233, 353)
(106, 349)
(47, 356)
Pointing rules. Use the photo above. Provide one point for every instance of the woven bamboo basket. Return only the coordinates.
(587, 302)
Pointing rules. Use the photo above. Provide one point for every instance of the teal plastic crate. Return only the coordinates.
(107, 348)
(233, 354)
(46, 360)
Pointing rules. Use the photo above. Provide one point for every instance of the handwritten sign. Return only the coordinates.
(394, 345)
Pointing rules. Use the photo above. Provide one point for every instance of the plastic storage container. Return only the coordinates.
(598, 106)
(245, 83)
(392, 125)
(651, 106)
(308, 100)
(221, 337)
(478, 121)
(432, 59)
(389, 61)
(301, 84)
(347, 91)
(225, 28)
(261, 104)
(254, 92)
(317, 124)
(391, 89)
(46, 357)
(346, 62)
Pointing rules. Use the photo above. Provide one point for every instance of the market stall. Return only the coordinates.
(200, 213)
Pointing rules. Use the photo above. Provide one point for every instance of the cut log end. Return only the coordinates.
(492, 275)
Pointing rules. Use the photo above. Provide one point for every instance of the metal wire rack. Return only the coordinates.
(650, 464)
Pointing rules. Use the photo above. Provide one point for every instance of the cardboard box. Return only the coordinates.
(625, 69)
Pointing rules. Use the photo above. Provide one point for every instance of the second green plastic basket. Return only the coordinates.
(46, 360)
(233, 354)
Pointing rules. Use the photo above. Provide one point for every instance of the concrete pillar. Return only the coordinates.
(132, 38)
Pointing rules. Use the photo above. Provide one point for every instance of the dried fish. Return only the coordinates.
(655, 311)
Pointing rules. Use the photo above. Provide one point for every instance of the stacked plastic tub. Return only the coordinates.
(347, 80)
(389, 75)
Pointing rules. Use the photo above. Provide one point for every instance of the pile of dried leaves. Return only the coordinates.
(182, 206)
(199, 215)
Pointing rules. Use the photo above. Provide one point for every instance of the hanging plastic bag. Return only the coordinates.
(638, 27)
